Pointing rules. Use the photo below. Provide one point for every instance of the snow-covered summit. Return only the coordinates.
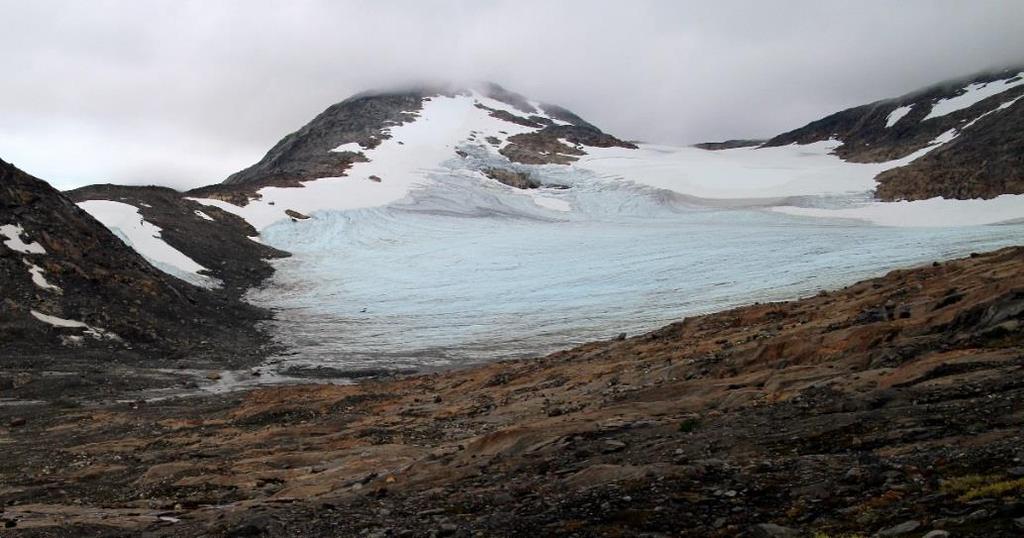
(373, 148)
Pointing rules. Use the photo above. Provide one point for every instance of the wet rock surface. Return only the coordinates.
(782, 419)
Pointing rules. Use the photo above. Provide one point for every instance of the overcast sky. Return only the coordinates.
(183, 93)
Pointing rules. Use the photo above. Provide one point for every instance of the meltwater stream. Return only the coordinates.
(467, 270)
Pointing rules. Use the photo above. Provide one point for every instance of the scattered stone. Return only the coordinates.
(620, 337)
(771, 530)
(213, 376)
(16, 422)
(295, 215)
(937, 534)
(375, 179)
(612, 445)
(903, 528)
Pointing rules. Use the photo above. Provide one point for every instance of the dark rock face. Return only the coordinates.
(984, 161)
(306, 154)
(99, 281)
(729, 144)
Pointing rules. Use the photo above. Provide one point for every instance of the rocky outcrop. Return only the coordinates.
(512, 178)
(983, 161)
(549, 145)
(730, 144)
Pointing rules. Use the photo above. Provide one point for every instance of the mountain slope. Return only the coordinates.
(71, 286)
(363, 121)
(976, 120)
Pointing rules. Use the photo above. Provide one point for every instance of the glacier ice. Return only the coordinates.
(464, 269)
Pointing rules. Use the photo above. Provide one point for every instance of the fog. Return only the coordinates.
(183, 93)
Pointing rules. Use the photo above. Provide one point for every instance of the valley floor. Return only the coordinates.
(895, 405)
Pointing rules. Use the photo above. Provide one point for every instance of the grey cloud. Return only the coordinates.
(183, 93)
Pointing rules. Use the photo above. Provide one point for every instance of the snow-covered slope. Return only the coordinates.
(127, 223)
(985, 112)
(445, 126)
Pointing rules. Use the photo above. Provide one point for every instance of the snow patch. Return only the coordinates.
(353, 147)
(896, 115)
(1009, 103)
(203, 216)
(95, 332)
(126, 222)
(13, 232)
(973, 93)
(38, 279)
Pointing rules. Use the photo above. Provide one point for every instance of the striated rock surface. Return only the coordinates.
(890, 404)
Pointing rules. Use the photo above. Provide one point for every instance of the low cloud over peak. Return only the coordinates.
(184, 93)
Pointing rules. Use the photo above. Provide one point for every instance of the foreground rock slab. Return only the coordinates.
(893, 403)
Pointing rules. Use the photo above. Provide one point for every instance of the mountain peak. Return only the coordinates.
(342, 134)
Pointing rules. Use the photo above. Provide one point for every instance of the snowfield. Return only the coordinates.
(126, 222)
(896, 115)
(973, 93)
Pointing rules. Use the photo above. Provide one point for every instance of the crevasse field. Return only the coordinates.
(466, 270)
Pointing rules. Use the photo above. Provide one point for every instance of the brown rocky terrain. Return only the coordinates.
(985, 160)
(892, 406)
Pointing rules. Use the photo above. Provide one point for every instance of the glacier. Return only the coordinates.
(464, 270)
